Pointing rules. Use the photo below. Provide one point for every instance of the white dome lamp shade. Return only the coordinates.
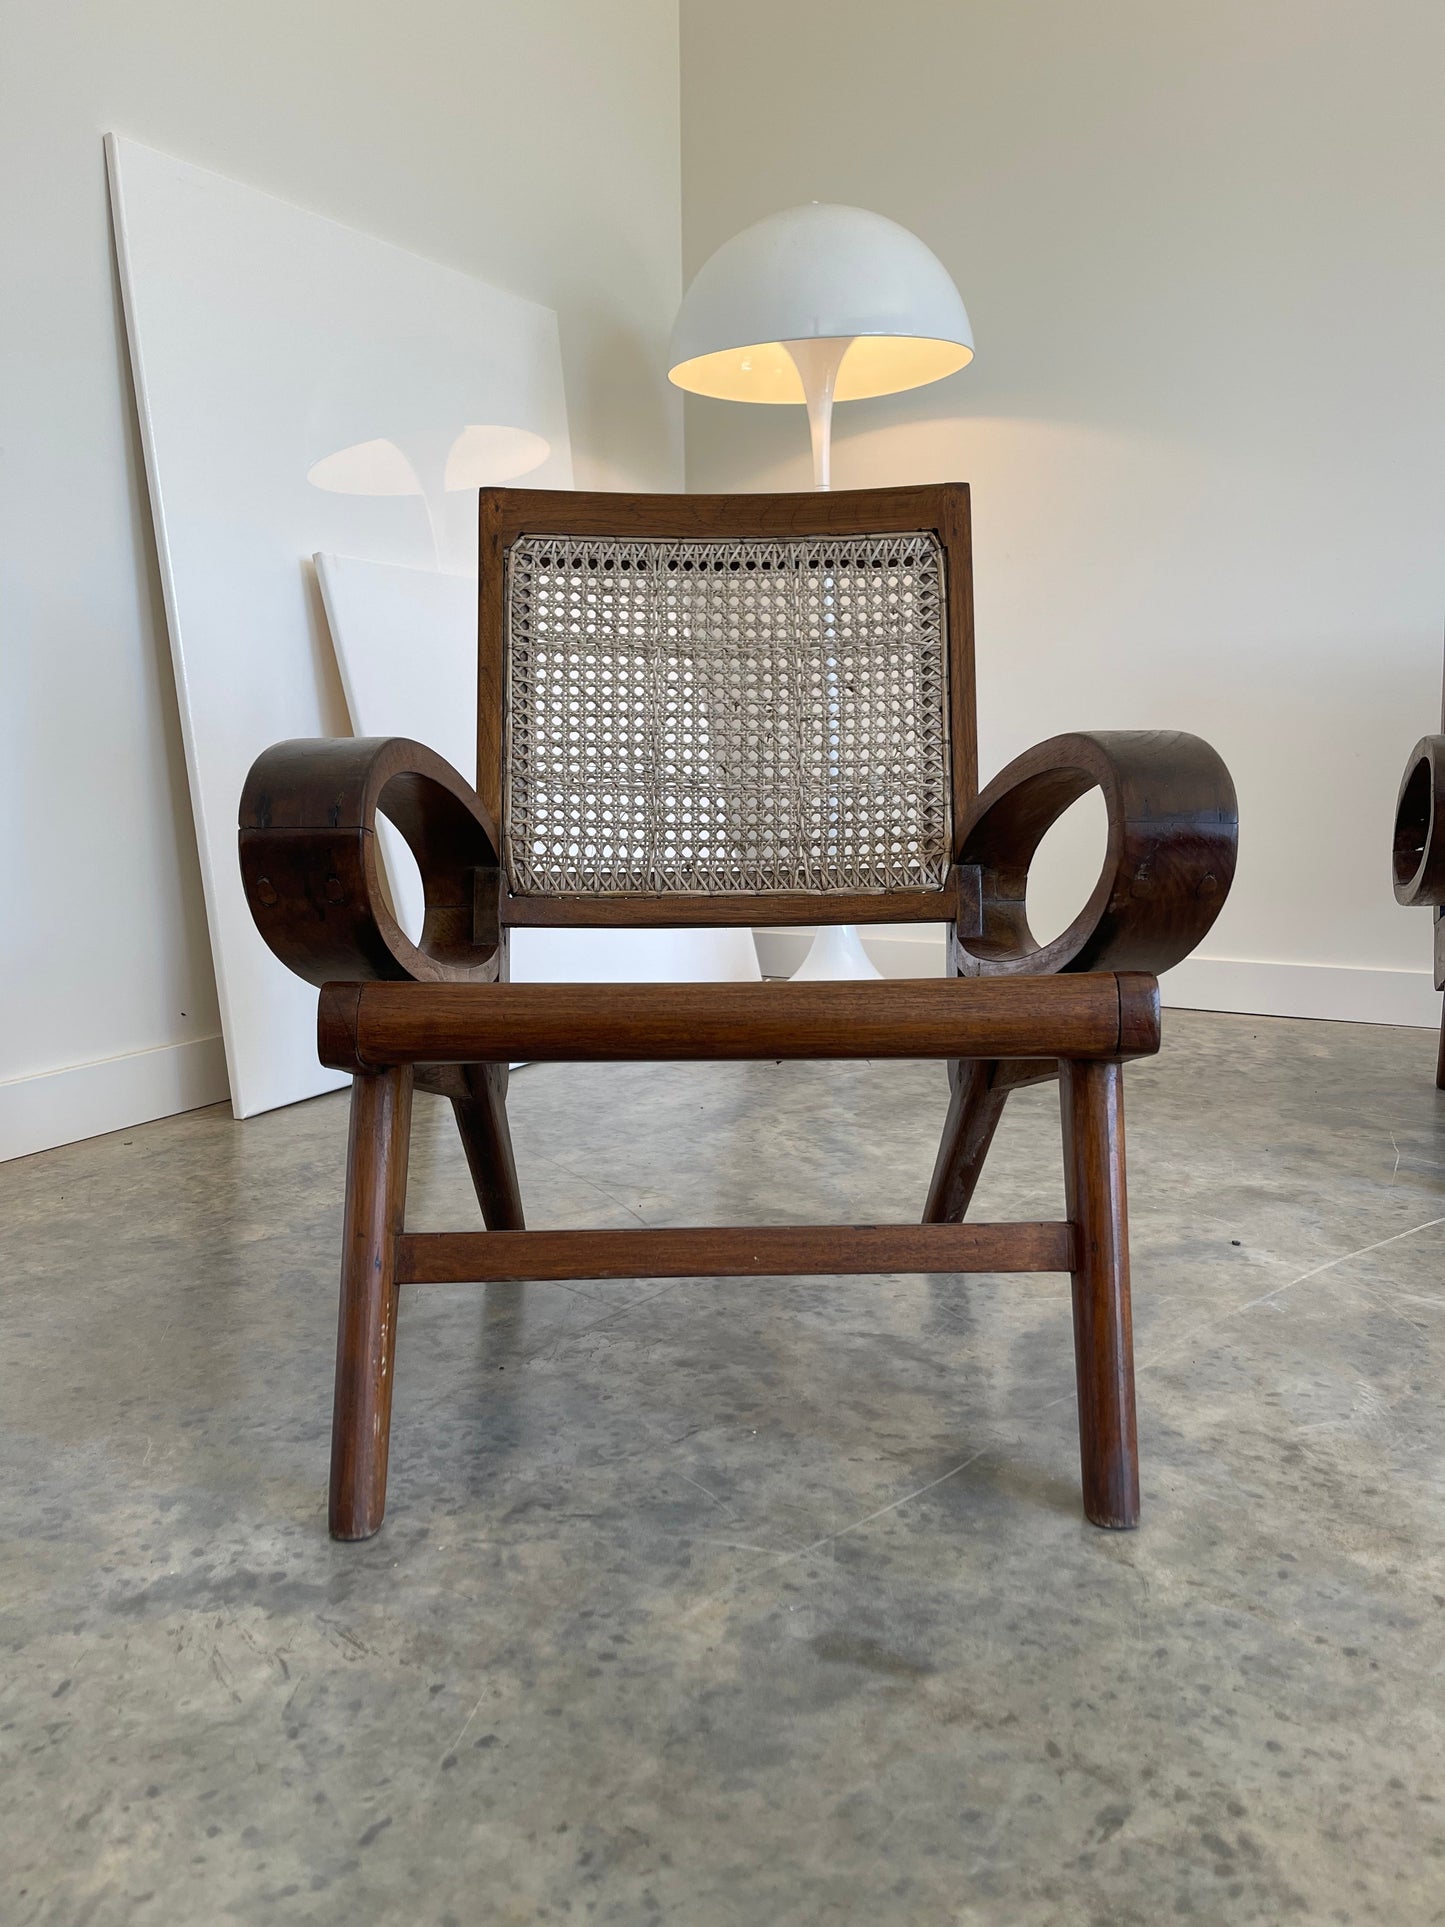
(819, 304)
(816, 305)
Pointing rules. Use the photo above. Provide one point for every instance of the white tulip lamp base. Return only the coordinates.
(837, 952)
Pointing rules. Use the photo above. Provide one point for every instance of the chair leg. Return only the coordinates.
(980, 1091)
(376, 1160)
(974, 1110)
(487, 1140)
(1092, 1103)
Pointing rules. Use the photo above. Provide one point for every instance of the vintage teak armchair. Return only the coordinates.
(730, 710)
(1418, 858)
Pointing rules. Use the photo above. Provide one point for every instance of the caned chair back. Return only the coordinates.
(700, 709)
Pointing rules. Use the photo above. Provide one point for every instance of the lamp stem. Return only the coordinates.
(817, 362)
(836, 951)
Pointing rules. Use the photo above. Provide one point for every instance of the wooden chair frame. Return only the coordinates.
(1417, 868)
(440, 1014)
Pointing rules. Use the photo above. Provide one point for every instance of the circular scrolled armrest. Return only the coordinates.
(1169, 862)
(1419, 853)
(312, 872)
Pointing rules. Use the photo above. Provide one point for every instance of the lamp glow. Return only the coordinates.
(819, 304)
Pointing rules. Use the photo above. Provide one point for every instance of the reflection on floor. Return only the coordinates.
(742, 1602)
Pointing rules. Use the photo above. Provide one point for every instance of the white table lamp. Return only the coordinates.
(820, 304)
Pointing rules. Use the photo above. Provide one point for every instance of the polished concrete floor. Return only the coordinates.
(752, 1602)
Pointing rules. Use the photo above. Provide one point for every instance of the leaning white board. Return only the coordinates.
(301, 387)
(406, 643)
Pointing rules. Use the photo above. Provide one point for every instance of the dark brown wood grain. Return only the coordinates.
(369, 1025)
(733, 1251)
(1172, 840)
(376, 1160)
(954, 530)
(1417, 857)
(1092, 1105)
(979, 1091)
(684, 912)
(480, 1109)
(312, 873)
(1168, 866)
(492, 544)
(1011, 1010)
(507, 513)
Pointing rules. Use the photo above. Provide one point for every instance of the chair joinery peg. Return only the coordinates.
(729, 710)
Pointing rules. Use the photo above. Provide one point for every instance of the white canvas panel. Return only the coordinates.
(282, 364)
(406, 642)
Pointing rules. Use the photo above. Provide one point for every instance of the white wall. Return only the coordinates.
(1202, 251)
(1205, 428)
(535, 145)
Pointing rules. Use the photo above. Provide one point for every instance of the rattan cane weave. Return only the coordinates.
(726, 717)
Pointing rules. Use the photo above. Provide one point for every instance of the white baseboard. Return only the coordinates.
(84, 1100)
(1339, 991)
(1258, 989)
